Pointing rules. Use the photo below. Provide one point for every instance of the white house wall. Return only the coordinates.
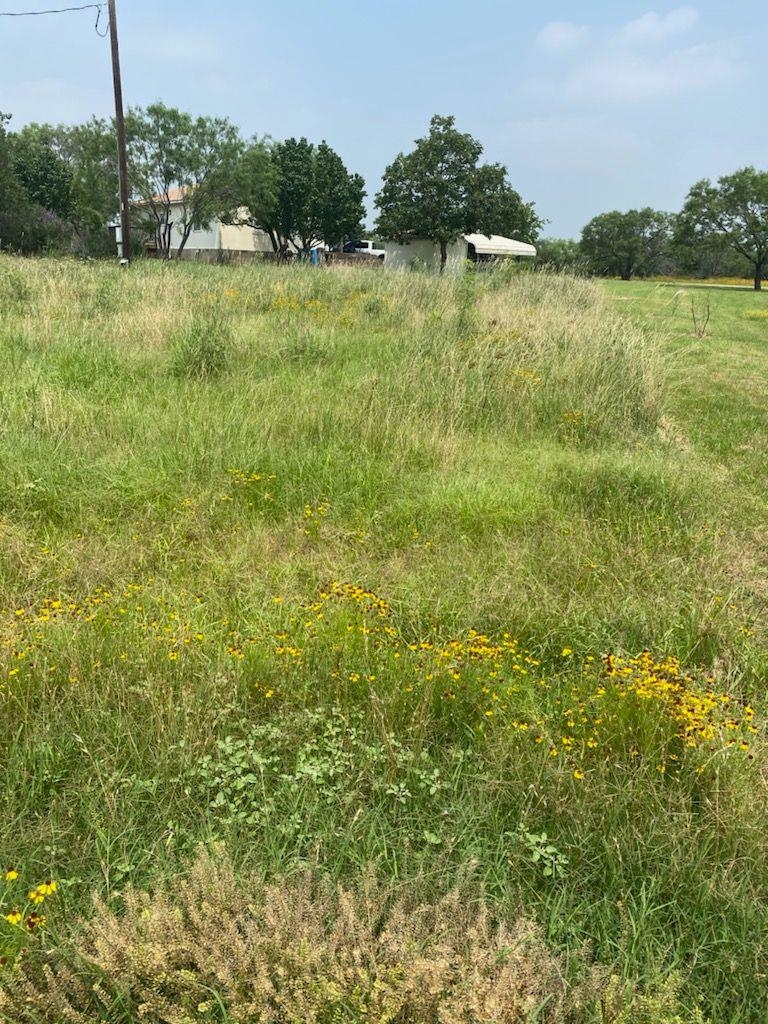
(421, 252)
(199, 238)
(218, 236)
(235, 238)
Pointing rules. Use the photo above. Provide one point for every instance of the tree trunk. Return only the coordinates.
(273, 239)
(164, 239)
(184, 240)
(443, 255)
(758, 277)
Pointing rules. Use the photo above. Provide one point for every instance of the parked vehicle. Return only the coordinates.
(364, 246)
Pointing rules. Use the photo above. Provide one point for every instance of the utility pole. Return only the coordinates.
(122, 164)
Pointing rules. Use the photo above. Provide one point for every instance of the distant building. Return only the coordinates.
(216, 241)
(477, 248)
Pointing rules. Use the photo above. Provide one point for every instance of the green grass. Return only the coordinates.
(189, 455)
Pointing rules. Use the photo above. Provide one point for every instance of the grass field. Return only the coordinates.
(431, 580)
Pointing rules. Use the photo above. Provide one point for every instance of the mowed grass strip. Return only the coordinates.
(325, 565)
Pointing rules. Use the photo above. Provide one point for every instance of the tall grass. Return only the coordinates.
(484, 467)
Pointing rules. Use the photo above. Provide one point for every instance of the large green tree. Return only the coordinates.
(439, 191)
(295, 207)
(300, 194)
(42, 172)
(180, 168)
(72, 171)
(255, 188)
(735, 212)
(90, 151)
(338, 197)
(32, 185)
(626, 245)
(698, 253)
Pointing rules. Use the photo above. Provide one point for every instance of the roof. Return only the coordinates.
(175, 195)
(498, 245)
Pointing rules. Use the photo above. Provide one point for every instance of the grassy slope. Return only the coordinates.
(541, 458)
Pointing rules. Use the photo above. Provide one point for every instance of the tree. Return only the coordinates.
(626, 244)
(498, 209)
(699, 253)
(85, 157)
(42, 173)
(295, 207)
(179, 162)
(255, 189)
(10, 190)
(338, 197)
(90, 151)
(300, 194)
(25, 225)
(562, 254)
(735, 211)
(439, 192)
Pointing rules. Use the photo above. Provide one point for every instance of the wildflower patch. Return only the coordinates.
(21, 912)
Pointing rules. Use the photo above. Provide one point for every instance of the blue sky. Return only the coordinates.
(591, 106)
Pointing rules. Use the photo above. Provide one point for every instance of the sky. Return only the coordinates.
(591, 106)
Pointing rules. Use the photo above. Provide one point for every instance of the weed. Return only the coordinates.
(202, 348)
(547, 858)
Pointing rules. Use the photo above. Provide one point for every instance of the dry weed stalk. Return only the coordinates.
(214, 948)
(700, 318)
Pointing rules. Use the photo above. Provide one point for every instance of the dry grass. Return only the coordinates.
(216, 948)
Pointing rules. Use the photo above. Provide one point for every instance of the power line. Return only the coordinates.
(98, 7)
(58, 10)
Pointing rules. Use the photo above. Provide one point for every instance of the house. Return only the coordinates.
(477, 248)
(217, 241)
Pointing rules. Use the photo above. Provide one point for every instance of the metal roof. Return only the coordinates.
(498, 245)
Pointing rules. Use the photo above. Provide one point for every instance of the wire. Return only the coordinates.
(99, 8)
(105, 33)
(59, 10)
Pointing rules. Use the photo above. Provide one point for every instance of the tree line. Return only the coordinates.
(721, 231)
(58, 186)
(58, 192)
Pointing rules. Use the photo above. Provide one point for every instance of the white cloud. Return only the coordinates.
(631, 78)
(613, 66)
(559, 36)
(654, 28)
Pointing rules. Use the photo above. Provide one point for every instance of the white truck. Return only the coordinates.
(365, 247)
